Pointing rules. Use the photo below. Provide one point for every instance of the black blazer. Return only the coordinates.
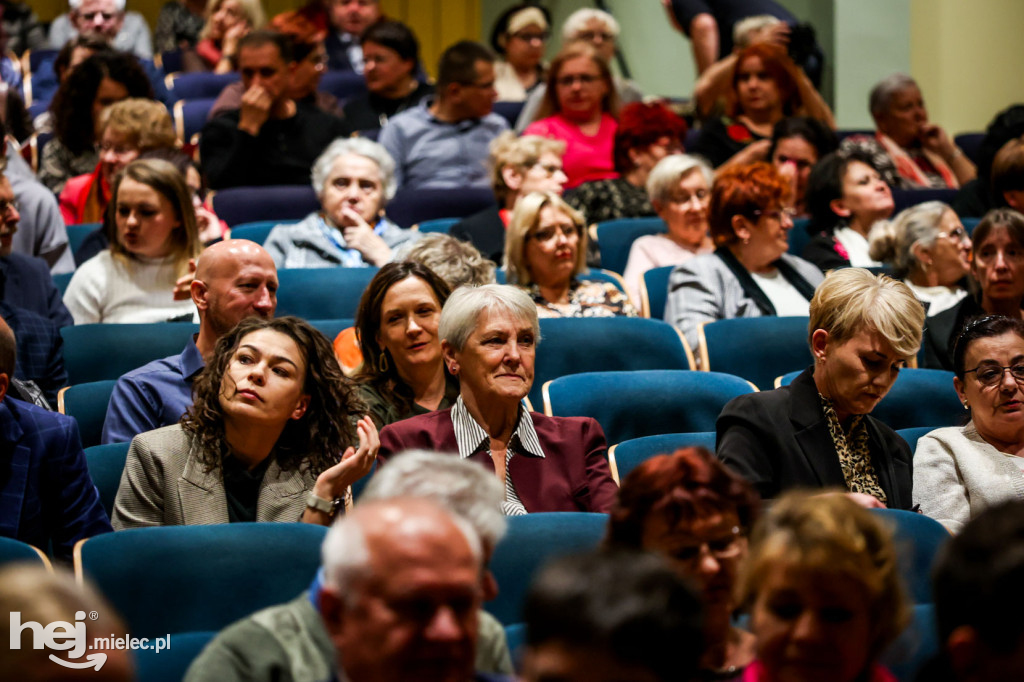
(779, 440)
(485, 231)
(942, 330)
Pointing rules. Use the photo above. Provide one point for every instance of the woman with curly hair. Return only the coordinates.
(96, 83)
(271, 436)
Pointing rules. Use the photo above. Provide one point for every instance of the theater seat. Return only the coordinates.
(629, 454)
(237, 205)
(87, 403)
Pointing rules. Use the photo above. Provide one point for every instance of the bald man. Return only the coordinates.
(234, 279)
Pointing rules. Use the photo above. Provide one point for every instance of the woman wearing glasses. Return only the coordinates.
(961, 470)
(520, 36)
(545, 251)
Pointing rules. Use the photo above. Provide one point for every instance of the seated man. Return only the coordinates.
(443, 143)
(234, 280)
(46, 495)
(105, 19)
(348, 20)
(39, 373)
(270, 140)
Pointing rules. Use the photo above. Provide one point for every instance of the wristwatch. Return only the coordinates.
(314, 501)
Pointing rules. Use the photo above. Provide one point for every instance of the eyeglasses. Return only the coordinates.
(103, 16)
(583, 78)
(778, 214)
(591, 36)
(721, 549)
(549, 169)
(531, 37)
(990, 374)
(550, 232)
(7, 206)
(958, 235)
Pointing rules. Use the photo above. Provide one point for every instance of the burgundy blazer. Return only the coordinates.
(572, 476)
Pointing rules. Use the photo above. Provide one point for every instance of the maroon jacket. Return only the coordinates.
(573, 476)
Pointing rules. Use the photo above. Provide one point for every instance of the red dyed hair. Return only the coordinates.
(779, 66)
(640, 126)
(744, 190)
(305, 34)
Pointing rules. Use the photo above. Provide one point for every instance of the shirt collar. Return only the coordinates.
(471, 437)
(190, 361)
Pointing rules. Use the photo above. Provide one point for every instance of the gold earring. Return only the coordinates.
(966, 406)
(382, 361)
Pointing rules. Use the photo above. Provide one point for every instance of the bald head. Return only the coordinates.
(235, 279)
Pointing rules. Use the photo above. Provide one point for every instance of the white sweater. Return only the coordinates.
(105, 289)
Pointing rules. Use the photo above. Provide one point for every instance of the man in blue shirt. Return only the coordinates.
(235, 279)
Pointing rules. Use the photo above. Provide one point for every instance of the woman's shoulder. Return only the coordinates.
(165, 443)
(808, 270)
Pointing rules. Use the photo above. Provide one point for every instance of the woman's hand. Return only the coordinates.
(865, 500)
(355, 463)
(183, 286)
(359, 235)
(209, 225)
(229, 46)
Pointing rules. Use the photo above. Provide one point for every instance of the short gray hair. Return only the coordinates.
(744, 29)
(893, 241)
(462, 310)
(667, 173)
(361, 147)
(885, 90)
(75, 4)
(578, 19)
(456, 262)
(466, 488)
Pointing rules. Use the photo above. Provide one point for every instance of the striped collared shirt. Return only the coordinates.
(471, 438)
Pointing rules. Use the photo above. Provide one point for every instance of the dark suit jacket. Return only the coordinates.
(821, 250)
(337, 52)
(40, 356)
(27, 283)
(572, 476)
(942, 330)
(485, 231)
(46, 494)
(779, 440)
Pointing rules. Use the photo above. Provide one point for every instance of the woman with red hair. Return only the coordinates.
(694, 511)
(749, 274)
(766, 87)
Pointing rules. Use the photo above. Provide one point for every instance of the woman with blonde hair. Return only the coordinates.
(228, 21)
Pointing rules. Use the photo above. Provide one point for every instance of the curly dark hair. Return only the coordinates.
(72, 104)
(387, 383)
(313, 443)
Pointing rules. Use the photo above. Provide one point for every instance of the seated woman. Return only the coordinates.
(271, 436)
(928, 249)
(646, 134)
(675, 505)
(817, 432)
(961, 470)
(126, 129)
(923, 153)
(489, 337)
(580, 106)
(846, 196)
(798, 143)
(997, 265)
(228, 21)
(767, 87)
(545, 251)
(99, 81)
(403, 374)
(178, 25)
(519, 37)
(680, 190)
(749, 274)
(152, 232)
(823, 590)
(519, 165)
(354, 178)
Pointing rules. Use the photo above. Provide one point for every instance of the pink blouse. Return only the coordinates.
(586, 157)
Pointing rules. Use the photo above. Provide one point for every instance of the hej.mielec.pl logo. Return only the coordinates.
(58, 636)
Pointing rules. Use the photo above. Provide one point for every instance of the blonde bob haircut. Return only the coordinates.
(525, 220)
(851, 300)
(522, 153)
(145, 123)
(830, 535)
(462, 310)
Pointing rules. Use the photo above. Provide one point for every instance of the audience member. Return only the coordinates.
(750, 274)
(22, 27)
(519, 36)
(269, 140)
(442, 143)
(606, 616)
(228, 21)
(454, 261)
(545, 254)
(271, 436)
(348, 20)
(49, 500)
(675, 505)
(798, 143)
(489, 336)
(975, 197)
(680, 192)
(234, 280)
(1008, 175)
(39, 373)
(106, 20)
(73, 53)
(354, 179)
(179, 25)
(816, 432)
(519, 165)
(928, 249)
(646, 134)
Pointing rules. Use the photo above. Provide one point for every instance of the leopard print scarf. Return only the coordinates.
(854, 455)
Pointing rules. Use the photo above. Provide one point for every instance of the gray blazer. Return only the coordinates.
(163, 484)
(303, 244)
(704, 289)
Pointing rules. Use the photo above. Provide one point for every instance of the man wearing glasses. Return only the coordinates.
(106, 20)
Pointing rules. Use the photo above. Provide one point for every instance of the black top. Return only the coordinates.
(370, 111)
(242, 488)
(721, 138)
(727, 13)
(823, 251)
(485, 231)
(941, 330)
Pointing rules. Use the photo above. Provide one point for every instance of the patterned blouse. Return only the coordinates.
(854, 454)
(602, 200)
(586, 299)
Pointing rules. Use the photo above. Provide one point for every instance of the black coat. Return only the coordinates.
(485, 231)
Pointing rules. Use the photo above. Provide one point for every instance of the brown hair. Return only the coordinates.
(550, 104)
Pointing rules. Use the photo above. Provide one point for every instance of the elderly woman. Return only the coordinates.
(126, 130)
(961, 470)
(545, 251)
(646, 134)
(519, 165)
(489, 339)
(823, 589)
(799, 142)
(520, 36)
(749, 274)
(228, 21)
(152, 233)
(923, 153)
(817, 432)
(680, 191)
(676, 505)
(846, 196)
(353, 178)
(271, 436)
(997, 264)
(929, 250)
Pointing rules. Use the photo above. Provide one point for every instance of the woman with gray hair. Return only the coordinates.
(929, 250)
(679, 187)
(353, 178)
(489, 340)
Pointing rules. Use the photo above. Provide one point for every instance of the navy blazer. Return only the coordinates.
(40, 356)
(573, 475)
(27, 284)
(780, 439)
(46, 494)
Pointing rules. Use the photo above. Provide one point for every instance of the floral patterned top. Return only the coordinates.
(586, 299)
